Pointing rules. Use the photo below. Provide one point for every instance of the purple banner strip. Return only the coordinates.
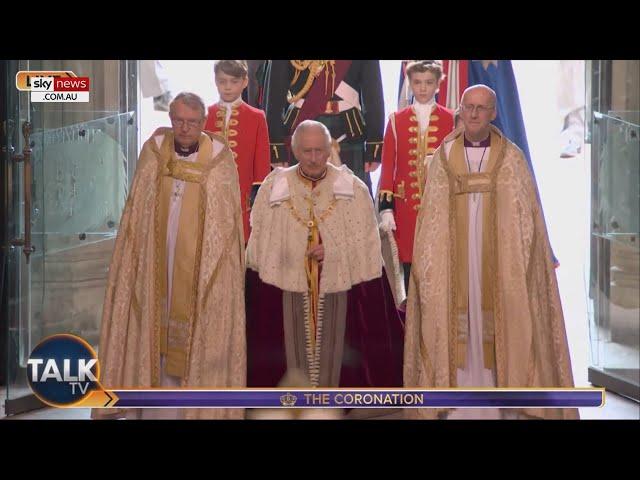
(250, 398)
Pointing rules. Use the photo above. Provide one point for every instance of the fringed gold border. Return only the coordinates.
(318, 349)
(157, 320)
(313, 350)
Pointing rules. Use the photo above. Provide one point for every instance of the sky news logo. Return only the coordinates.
(54, 86)
(56, 89)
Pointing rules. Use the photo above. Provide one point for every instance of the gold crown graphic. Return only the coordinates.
(288, 400)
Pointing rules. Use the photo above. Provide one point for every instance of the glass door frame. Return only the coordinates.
(15, 106)
(599, 105)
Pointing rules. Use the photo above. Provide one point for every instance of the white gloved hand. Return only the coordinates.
(387, 222)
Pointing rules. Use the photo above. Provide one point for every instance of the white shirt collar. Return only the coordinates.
(228, 105)
(424, 107)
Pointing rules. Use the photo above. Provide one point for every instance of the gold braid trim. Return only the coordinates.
(158, 291)
(158, 343)
(196, 276)
(301, 64)
(187, 171)
(453, 310)
(350, 126)
(375, 150)
(355, 119)
(313, 350)
(310, 223)
(314, 67)
(498, 320)
(319, 322)
(309, 349)
(497, 308)
(385, 195)
(422, 151)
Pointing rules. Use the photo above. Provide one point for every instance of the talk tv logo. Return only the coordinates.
(62, 370)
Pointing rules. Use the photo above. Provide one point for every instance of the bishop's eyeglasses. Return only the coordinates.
(464, 107)
(179, 122)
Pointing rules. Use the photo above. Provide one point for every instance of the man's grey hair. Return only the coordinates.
(480, 86)
(191, 100)
(308, 125)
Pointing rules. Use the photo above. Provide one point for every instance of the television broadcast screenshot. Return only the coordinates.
(320, 239)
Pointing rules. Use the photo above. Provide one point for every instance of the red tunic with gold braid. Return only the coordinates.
(248, 138)
(403, 175)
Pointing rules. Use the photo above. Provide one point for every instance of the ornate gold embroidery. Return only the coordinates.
(313, 343)
(187, 171)
(196, 276)
(498, 320)
(315, 67)
(385, 195)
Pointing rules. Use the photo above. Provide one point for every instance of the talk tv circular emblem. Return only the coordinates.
(62, 370)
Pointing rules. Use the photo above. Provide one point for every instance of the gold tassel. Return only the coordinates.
(332, 63)
(326, 80)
